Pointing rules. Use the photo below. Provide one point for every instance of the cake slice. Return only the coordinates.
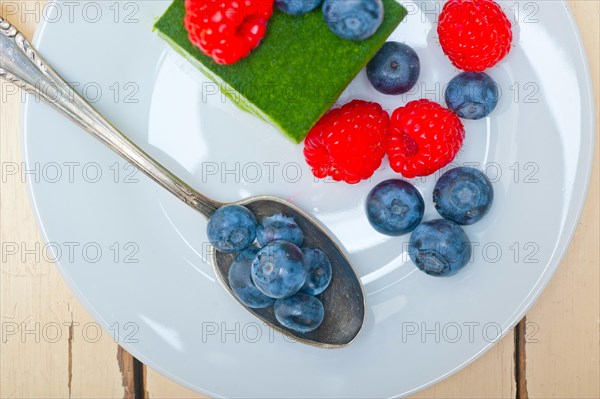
(296, 73)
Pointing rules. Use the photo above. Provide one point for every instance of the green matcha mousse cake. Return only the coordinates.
(295, 74)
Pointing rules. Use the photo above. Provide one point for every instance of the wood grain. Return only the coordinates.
(560, 361)
(490, 376)
(521, 359)
(160, 387)
(563, 357)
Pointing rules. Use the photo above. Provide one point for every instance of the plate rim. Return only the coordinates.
(552, 266)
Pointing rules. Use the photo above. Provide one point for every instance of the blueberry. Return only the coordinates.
(395, 207)
(278, 269)
(395, 68)
(472, 95)
(439, 247)
(231, 228)
(297, 7)
(301, 312)
(318, 271)
(463, 195)
(279, 227)
(353, 19)
(241, 283)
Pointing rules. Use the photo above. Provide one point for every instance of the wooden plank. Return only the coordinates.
(50, 347)
(520, 359)
(490, 376)
(127, 368)
(563, 360)
(159, 387)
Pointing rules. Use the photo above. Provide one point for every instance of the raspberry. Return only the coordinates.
(227, 30)
(474, 34)
(424, 137)
(348, 143)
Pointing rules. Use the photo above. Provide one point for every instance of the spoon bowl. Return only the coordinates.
(343, 299)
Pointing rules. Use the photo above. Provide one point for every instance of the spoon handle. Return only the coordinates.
(21, 64)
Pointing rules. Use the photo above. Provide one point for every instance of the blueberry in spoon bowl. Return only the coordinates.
(240, 281)
(342, 298)
(278, 269)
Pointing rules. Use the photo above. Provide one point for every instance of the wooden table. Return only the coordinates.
(51, 348)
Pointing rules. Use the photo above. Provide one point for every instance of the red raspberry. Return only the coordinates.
(474, 34)
(424, 137)
(227, 30)
(348, 143)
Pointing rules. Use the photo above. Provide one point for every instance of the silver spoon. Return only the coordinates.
(343, 299)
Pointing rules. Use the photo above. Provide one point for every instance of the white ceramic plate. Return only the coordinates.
(154, 286)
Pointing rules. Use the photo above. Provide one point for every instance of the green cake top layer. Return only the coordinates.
(295, 74)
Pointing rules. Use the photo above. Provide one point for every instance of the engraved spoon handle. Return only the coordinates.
(21, 64)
